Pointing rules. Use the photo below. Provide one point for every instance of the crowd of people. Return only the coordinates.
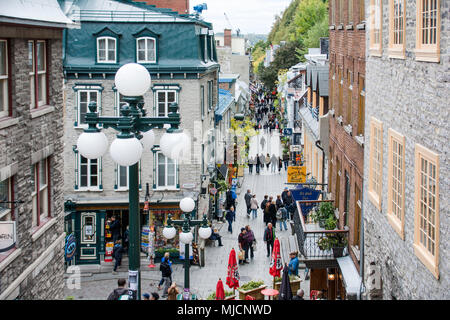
(260, 161)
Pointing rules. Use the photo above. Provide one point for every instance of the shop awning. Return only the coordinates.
(350, 276)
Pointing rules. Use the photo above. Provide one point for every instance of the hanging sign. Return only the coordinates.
(70, 247)
(7, 235)
(305, 193)
(296, 174)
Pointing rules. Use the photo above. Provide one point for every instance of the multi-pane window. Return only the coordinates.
(37, 63)
(163, 100)
(349, 96)
(146, 50)
(41, 194)
(341, 84)
(4, 96)
(119, 102)
(357, 233)
(350, 11)
(106, 50)
(332, 86)
(341, 11)
(396, 180)
(397, 28)
(210, 95)
(375, 25)
(166, 172)
(376, 162)
(6, 198)
(426, 235)
(338, 183)
(428, 30)
(122, 174)
(84, 98)
(202, 101)
(361, 104)
(89, 173)
(362, 13)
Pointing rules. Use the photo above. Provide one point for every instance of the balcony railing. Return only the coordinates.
(314, 111)
(311, 238)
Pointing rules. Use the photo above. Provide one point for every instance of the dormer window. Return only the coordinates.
(146, 50)
(106, 50)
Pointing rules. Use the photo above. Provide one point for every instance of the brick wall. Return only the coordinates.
(347, 51)
(35, 269)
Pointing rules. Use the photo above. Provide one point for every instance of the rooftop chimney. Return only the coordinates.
(227, 37)
(181, 6)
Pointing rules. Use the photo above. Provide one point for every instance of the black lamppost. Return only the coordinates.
(187, 205)
(132, 81)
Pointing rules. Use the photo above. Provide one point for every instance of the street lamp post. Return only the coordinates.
(135, 133)
(187, 205)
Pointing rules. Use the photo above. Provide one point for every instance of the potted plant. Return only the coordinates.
(323, 213)
(331, 223)
(336, 242)
(252, 288)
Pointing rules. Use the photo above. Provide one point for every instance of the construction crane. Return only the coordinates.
(238, 31)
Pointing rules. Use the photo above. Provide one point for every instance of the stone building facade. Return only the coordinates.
(97, 190)
(346, 103)
(31, 153)
(407, 128)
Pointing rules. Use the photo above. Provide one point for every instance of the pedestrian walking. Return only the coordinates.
(230, 200)
(247, 198)
(117, 254)
(286, 161)
(230, 216)
(263, 203)
(114, 228)
(166, 257)
(280, 165)
(251, 240)
(282, 215)
(250, 165)
(166, 273)
(274, 163)
(273, 213)
(121, 292)
(279, 202)
(258, 164)
(289, 204)
(267, 161)
(262, 160)
(269, 238)
(243, 244)
(254, 206)
(267, 218)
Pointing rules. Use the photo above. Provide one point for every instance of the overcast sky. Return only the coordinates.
(250, 16)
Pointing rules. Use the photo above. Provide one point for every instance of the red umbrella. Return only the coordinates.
(233, 273)
(275, 264)
(220, 292)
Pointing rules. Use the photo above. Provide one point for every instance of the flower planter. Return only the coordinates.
(295, 285)
(255, 293)
(337, 251)
(232, 297)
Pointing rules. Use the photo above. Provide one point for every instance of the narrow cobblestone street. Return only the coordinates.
(204, 279)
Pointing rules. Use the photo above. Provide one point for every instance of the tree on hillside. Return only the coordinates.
(308, 14)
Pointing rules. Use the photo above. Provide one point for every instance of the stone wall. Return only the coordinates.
(410, 97)
(35, 269)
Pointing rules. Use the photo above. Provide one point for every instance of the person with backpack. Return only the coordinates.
(165, 258)
(254, 206)
(117, 254)
(263, 203)
(120, 292)
(282, 215)
(166, 272)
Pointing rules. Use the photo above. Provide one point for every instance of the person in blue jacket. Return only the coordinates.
(293, 264)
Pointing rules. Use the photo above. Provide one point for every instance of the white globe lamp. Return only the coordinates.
(169, 232)
(132, 79)
(187, 204)
(186, 237)
(204, 232)
(175, 145)
(148, 139)
(126, 151)
(92, 145)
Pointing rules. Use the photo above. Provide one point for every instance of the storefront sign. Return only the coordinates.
(70, 247)
(7, 235)
(296, 174)
(305, 193)
(296, 148)
(287, 131)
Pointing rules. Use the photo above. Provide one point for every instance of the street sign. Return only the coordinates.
(287, 131)
(213, 191)
(296, 148)
(70, 247)
(296, 174)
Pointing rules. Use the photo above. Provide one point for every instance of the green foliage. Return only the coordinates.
(222, 185)
(251, 285)
(309, 13)
(284, 27)
(336, 240)
(312, 37)
(292, 277)
(212, 296)
(325, 211)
